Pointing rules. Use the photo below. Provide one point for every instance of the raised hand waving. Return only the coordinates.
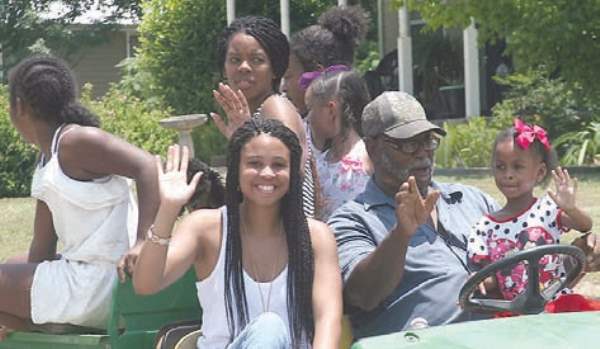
(234, 105)
(172, 181)
(565, 189)
(411, 209)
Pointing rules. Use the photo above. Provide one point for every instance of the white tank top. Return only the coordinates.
(92, 219)
(211, 294)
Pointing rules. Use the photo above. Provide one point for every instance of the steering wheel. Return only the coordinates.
(532, 300)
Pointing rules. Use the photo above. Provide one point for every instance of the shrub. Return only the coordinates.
(132, 119)
(572, 122)
(581, 147)
(571, 119)
(17, 157)
(469, 144)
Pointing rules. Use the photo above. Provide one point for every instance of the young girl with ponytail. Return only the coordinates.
(83, 203)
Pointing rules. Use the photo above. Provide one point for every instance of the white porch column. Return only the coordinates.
(285, 16)
(405, 65)
(230, 11)
(380, 28)
(471, 63)
(342, 2)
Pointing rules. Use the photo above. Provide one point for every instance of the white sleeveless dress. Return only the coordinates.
(92, 220)
(211, 294)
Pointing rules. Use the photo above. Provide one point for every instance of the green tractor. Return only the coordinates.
(533, 329)
(133, 323)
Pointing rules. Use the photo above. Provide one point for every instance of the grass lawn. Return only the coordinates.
(17, 215)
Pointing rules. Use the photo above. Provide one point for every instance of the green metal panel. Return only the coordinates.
(142, 316)
(133, 324)
(32, 340)
(548, 331)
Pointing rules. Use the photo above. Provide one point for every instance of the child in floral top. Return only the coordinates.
(343, 180)
(523, 158)
(335, 100)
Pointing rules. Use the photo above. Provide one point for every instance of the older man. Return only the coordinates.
(402, 242)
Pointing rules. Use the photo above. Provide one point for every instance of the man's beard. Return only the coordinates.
(400, 175)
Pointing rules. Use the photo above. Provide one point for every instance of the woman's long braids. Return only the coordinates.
(350, 90)
(548, 156)
(268, 35)
(300, 254)
(333, 40)
(48, 87)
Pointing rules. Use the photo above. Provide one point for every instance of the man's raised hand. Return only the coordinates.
(411, 209)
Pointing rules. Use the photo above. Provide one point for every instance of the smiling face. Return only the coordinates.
(517, 171)
(264, 170)
(248, 68)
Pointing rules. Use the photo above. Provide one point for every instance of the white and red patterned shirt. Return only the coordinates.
(492, 239)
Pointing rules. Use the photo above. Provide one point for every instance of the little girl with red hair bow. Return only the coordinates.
(522, 158)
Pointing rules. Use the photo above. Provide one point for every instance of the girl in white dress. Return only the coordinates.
(84, 203)
(522, 159)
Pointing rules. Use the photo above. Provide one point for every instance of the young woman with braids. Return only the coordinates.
(330, 42)
(268, 276)
(335, 101)
(84, 203)
(253, 53)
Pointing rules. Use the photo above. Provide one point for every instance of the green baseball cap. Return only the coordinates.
(398, 115)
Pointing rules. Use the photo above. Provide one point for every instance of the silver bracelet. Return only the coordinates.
(155, 239)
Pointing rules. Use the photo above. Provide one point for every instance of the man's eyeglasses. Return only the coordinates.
(429, 143)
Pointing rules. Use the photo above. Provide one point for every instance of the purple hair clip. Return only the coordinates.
(308, 77)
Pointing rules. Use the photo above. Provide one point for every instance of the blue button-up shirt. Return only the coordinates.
(436, 264)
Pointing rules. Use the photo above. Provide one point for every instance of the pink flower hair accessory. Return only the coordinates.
(527, 134)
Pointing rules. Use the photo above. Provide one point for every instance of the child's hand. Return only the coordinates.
(488, 285)
(566, 187)
(126, 264)
(411, 209)
(172, 181)
(235, 106)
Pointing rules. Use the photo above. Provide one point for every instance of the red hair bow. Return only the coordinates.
(526, 134)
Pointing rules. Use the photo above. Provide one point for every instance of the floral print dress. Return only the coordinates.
(341, 181)
(492, 239)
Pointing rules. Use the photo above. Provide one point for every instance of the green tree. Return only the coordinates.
(21, 26)
(560, 36)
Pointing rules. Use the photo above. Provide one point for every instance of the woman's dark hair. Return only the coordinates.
(268, 35)
(333, 40)
(548, 156)
(48, 87)
(300, 254)
(210, 191)
(349, 88)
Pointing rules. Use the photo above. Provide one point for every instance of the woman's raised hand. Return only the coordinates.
(236, 108)
(172, 181)
(566, 187)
